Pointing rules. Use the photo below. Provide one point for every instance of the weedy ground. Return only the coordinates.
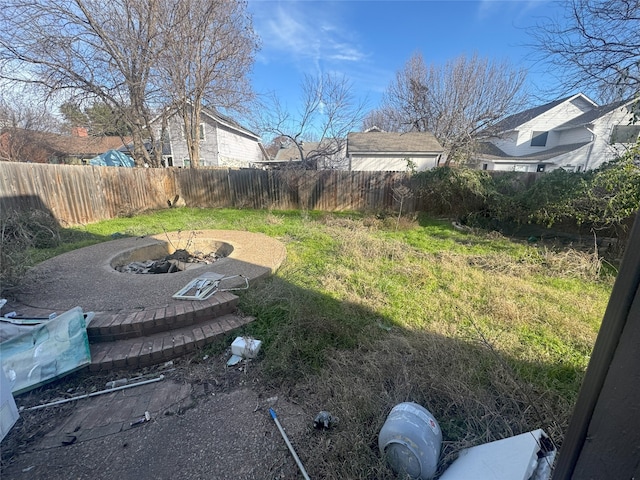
(491, 334)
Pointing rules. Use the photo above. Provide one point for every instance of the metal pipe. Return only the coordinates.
(286, 439)
(109, 390)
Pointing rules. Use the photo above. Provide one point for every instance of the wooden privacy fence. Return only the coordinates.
(77, 195)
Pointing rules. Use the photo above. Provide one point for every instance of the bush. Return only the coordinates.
(602, 201)
(20, 233)
(457, 192)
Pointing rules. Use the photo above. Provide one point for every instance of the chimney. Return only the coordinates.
(79, 132)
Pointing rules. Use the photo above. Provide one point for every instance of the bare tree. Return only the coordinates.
(328, 112)
(455, 102)
(25, 122)
(595, 45)
(208, 50)
(88, 48)
(383, 118)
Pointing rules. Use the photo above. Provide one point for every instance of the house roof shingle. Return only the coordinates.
(513, 121)
(590, 116)
(392, 142)
(292, 153)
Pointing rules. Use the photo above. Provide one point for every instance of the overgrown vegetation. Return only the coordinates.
(491, 335)
(21, 234)
(601, 202)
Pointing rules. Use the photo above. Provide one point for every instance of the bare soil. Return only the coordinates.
(222, 430)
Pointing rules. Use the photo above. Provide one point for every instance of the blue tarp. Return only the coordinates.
(112, 158)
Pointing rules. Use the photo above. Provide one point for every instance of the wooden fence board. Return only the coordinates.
(84, 194)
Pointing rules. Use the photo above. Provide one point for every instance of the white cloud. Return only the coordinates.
(304, 33)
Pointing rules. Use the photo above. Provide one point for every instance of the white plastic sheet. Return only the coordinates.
(45, 352)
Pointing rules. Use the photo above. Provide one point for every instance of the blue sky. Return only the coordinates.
(368, 41)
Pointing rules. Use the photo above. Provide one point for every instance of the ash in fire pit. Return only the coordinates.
(172, 263)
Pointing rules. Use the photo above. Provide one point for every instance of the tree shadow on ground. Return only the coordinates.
(344, 358)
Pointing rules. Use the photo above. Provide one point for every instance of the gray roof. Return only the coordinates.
(489, 151)
(588, 117)
(291, 152)
(214, 114)
(518, 119)
(392, 142)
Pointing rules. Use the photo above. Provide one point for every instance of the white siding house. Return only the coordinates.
(572, 133)
(223, 142)
(390, 151)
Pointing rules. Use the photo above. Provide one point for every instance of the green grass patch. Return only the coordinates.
(492, 335)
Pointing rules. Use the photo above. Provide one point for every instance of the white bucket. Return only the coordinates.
(410, 440)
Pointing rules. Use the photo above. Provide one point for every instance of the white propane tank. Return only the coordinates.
(410, 440)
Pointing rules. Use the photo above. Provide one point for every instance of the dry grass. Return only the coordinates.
(493, 343)
(492, 336)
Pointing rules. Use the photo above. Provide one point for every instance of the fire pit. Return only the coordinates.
(88, 277)
(164, 258)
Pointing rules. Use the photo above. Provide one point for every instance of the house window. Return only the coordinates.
(201, 131)
(539, 139)
(540, 167)
(625, 134)
(485, 166)
(186, 162)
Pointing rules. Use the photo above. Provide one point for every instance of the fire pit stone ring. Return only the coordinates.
(87, 278)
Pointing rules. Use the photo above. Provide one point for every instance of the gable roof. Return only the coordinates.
(514, 121)
(588, 117)
(215, 115)
(392, 142)
(291, 152)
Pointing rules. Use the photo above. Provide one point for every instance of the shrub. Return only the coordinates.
(457, 192)
(20, 232)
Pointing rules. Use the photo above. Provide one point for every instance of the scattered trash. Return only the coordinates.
(383, 326)
(410, 441)
(8, 411)
(109, 390)
(246, 347)
(41, 353)
(145, 418)
(206, 285)
(286, 439)
(117, 383)
(522, 457)
(460, 227)
(324, 421)
(234, 360)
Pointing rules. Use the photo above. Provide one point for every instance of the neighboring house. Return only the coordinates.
(223, 142)
(375, 150)
(44, 147)
(317, 156)
(572, 133)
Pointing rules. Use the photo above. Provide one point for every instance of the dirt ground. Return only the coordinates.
(207, 420)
